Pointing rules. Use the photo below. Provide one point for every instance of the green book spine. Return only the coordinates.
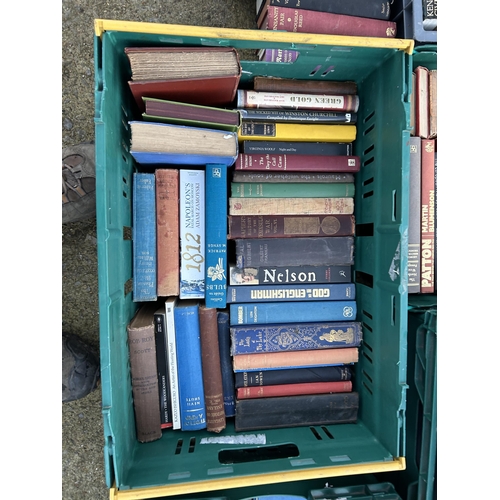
(291, 190)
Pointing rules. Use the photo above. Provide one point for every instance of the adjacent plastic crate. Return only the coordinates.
(178, 463)
(408, 15)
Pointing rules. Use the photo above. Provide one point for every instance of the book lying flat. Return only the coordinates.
(291, 190)
(269, 391)
(278, 176)
(275, 84)
(297, 116)
(297, 147)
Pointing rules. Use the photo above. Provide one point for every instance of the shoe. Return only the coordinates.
(80, 368)
(78, 182)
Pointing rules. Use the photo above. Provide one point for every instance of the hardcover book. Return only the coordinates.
(289, 274)
(167, 231)
(291, 85)
(296, 163)
(291, 206)
(289, 226)
(413, 104)
(313, 251)
(265, 313)
(215, 235)
(422, 102)
(429, 13)
(292, 376)
(226, 362)
(414, 222)
(278, 55)
(326, 23)
(296, 411)
(433, 104)
(275, 293)
(297, 148)
(166, 143)
(304, 177)
(291, 190)
(211, 369)
(189, 366)
(192, 233)
(144, 373)
(269, 391)
(297, 116)
(144, 237)
(295, 337)
(172, 360)
(294, 359)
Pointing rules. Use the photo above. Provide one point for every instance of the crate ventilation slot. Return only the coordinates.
(128, 286)
(319, 436)
(127, 232)
(364, 278)
(364, 229)
(244, 455)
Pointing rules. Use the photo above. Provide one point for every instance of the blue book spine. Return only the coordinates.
(216, 235)
(292, 312)
(144, 237)
(294, 337)
(153, 158)
(226, 363)
(189, 368)
(278, 293)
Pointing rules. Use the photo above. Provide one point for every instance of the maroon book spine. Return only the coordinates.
(268, 391)
(297, 163)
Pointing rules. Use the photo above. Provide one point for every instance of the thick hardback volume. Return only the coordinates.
(296, 411)
(288, 226)
(428, 216)
(192, 233)
(144, 373)
(299, 292)
(414, 227)
(162, 365)
(297, 148)
(276, 162)
(274, 84)
(295, 336)
(167, 231)
(291, 190)
(413, 104)
(215, 235)
(172, 361)
(290, 274)
(325, 23)
(211, 369)
(269, 391)
(304, 177)
(144, 237)
(429, 14)
(226, 362)
(265, 313)
(291, 206)
(294, 359)
(297, 116)
(292, 376)
(189, 365)
(278, 55)
(422, 102)
(313, 251)
(288, 100)
(433, 104)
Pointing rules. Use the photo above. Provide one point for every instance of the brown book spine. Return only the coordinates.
(422, 102)
(272, 84)
(268, 391)
(304, 177)
(286, 226)
(211, 369)
(167, 226)
(433, 104)
(297, 163)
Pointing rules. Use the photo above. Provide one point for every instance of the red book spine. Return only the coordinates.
(268, 391)
(325, 23)
(428, 217)
(297, 163)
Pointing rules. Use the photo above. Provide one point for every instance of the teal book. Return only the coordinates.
(295, 336)
(292, 189)
(292, 312)
(144, 237)
(189, 368)
(216, 235)
(226, 362)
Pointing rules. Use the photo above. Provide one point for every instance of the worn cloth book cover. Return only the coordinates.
(295, 336)
(414, 222)
(297, 116)
(144, 237)
(422, 102)
(192, 233)
(291, 190)
(326, 23)
(276, 162)
(144, 373)
(211, 369)
(251, 313)
(296, 411)
(226, 362)
(413, 104)
(292, 376)
(167, 231)
(433, 104)
(269, 391)
(172, 360)
(289, 274)
(291, 85)
(278, 176)
(297, 148)
(189, 365)
(291, 206)
(215, 235)
(289, 226)
(273, 293)
(313, 251)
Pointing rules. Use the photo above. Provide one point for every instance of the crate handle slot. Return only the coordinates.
(257, 454)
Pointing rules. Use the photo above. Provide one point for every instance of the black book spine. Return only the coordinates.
(296, 411)
(297, 116)
(226, 363)
(299, 148)
(162, 366)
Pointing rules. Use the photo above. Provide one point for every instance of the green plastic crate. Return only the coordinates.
(178, 463)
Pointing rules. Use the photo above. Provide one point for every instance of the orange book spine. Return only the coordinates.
(268, 391)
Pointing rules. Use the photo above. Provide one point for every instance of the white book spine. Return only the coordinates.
(172, 361)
